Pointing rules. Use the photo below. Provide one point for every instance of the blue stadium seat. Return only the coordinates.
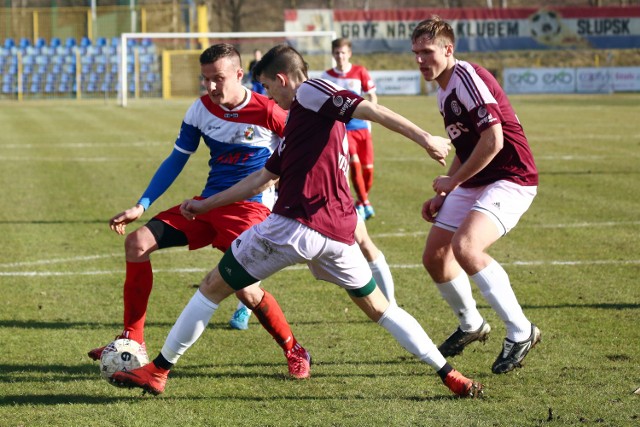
(101, 41)
(34, 87)
(9, 43)
(41, 68)
(27, 69)
(55, 42)
(69, 68)
(24, 43)
(7, 88)
(85, 42)
(56, 68)
(41, 42)
(7, 78)
(101, 68)
(48, 88)
(29, 59)
(50, 78)
(70, 42)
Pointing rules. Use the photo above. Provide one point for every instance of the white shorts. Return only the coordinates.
(504, 202)
(279, 242)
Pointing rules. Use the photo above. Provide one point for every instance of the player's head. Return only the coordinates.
(432, 42)
(341, 52)
(221, 74)
(281, 71)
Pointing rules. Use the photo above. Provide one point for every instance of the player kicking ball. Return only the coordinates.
(312, 222)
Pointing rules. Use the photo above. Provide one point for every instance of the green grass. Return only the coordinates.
(67, 167)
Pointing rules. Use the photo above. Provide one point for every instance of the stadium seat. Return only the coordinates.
(40, 43)
(7, 88)
(27, 69)
(9, 43)
(70, 42)
(55, 42)
(7, 78)
(69, 68)
(24, 43)
(29, 59)
(34, 87)
(48, 88)
(56, 68)
(85, 42)
(101, 41)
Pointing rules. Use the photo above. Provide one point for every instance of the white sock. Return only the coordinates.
(495, 286)
(457, 293)
(382, 276)
(240, 305)
(192, 322)
(408, 332)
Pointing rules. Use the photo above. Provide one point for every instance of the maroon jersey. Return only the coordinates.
(313, 159)
(472, 102)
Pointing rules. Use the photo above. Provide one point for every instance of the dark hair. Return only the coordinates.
(217, 51)
(338, 43)
(434, 28)
(280, 59)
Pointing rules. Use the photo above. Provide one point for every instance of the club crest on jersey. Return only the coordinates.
(455, 107)
(249, 132)
(482, 112)
(338, 101)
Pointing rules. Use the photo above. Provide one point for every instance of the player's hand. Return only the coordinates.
(119, 222)
(444, 185)
(438, 149)
(431, 207)
(191, 207)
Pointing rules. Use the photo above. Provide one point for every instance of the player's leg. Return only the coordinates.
(346, 266)
(483, 226)
(185, 332)
(377, 261)
(355, 173)
(138, 283)
(454, 287)
(365, 153)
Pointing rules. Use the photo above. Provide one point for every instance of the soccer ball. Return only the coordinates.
(545, 25)
(122, 355)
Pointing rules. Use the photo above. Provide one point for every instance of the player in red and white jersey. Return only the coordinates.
(313, 220)
(491, 183)
(356, 78)
(240, 130)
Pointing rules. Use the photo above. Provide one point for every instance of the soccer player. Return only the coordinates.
(356, 78)
(313, 220)
(240, 129)
(489, 186)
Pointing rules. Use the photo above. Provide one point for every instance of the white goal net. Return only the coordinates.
(153, 65)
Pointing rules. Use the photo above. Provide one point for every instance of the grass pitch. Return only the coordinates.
(67, 167)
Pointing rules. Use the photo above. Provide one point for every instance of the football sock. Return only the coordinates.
(444, 371)
(192, 322)
(355, 171)
(495, 286)
(457, 293)
(382, 276)
(408, 332)
(137, 288)
(367, 177)
(271, 317)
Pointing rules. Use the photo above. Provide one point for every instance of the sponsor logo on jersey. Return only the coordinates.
(231, 115)
(249, 132)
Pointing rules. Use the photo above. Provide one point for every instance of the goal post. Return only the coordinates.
(158, 64)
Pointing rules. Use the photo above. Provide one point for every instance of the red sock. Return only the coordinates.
(137, 288)
(270, 315)
(367, 177)
(358, 182)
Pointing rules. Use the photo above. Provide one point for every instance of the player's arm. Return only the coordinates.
(371, 97)
(490, 143)
(251, 185)
(165, 175)
(436, 146)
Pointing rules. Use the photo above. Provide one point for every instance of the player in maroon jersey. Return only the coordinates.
(490, 184)
(313, 220)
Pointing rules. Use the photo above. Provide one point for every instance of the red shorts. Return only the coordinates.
(360, 143)
(218, 227)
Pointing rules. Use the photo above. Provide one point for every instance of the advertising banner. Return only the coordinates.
(572, 80)
(390, 82)
(480, 29)
(539, 80)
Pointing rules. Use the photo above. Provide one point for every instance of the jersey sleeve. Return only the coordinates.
(477, 98)
(276, 119)
(327, 99)
(368, 84)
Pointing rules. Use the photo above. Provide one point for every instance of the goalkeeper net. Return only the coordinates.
(166, 65)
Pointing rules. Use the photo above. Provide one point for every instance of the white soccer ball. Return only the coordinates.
(545, 25)
(122, 355)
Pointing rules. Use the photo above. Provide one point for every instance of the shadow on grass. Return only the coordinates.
(56, 221)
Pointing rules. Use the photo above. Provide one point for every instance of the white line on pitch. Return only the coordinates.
(303, 267)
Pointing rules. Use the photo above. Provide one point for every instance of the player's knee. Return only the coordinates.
(138, 244)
